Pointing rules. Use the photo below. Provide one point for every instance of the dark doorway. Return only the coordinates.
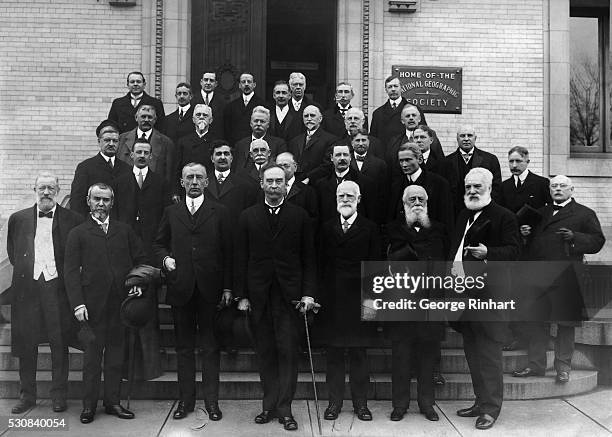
(269, 38)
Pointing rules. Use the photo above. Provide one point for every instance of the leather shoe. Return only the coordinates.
(430, 414)
(562, 377)
(22, 406)
(484, 421)
(214, 413)
(397, 414)
(438, 379)
(264, 417)
(332, 411)
(181, 411)
(288, 423)
(363, 413)
(473, 411)
(59, 405)
(119, 411)
(87, 415)
(527, 371)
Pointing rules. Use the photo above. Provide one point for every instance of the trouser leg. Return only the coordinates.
(564, 348)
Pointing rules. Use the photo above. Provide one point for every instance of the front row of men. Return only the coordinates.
(274, 269)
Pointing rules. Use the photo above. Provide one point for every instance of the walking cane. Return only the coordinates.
(314, 384)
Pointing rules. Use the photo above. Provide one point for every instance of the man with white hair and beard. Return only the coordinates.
(484, 232)
(346, 241)
(415, 237)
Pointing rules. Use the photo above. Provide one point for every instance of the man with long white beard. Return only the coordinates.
(484, 232)
(415, 237)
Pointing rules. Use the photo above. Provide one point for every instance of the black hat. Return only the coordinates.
(136, 311)
(106, 123)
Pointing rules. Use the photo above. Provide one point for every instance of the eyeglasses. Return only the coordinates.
(562, 186)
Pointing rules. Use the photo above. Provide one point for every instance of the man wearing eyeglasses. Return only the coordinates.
(567, 231)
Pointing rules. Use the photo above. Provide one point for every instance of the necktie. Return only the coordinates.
(345, 226)
(519, 184)
(343, 111)
(308, 137)
(393, 105)
(472, 218)
(45, 214)
(181, 115)
(140, 178)
(220, 179)
(359, 157)
(246, 101)
(206, 99)
(339, 180)
(104, 227)
(135, 102)
(410, 182)
(143, 136)
(467, 157)
(110, 163)
(192, 208)
(556, 207)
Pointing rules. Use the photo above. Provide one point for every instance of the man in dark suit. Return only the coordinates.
(439, 202)
(124, 108)
(237, 113)
(260, 122)
(199, 279)
(346, 240)
(215, 100)
(180, 122)
(259, 158)
(104, 167)
(334, 117)
(386, 122)
(355, 121)
(369, 165)
(195, 147)
(40, 311)
(283, 122)
(311, 148)
(275, 267)
(370, 205)
(140, 199)
(99, 254)
(162, 147)
(468, 156)
(234, 191)
(299, 101)
(299, 193)
(415, 237)
(485, 232)
(567, 231)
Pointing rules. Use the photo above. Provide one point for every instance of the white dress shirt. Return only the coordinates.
(44, 255)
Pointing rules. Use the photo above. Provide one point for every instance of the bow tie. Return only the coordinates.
(45, 214)
(556, 207)
(359, 157)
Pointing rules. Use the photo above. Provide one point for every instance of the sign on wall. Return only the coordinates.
(433, 89)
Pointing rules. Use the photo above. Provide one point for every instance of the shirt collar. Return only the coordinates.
(98, 221)
(564, 203)
(202, 134)
(137, 170)
(290, 183)
(350, 220)
(341, 175)
(270, 206)
(396, 101)
(471, 152)
(417, 174)
(224, 173)
(52, 210)
(108, 158)
(196, 200)
(138, 97)
(426, 155)
(185, 108)
(210, 95)
(523, 175)
(147, 134)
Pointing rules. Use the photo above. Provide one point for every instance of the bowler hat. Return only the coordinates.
(136, 311)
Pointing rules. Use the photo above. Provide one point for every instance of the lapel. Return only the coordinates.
(565, 212)
(295, 190)
(476, 158)
(352, 231)
(227, 186)
(206, 211)
(31, 223)
(103, 164)
(148, 181)
(313, 139)
(213, 187)
(95, 229)
(261, 216)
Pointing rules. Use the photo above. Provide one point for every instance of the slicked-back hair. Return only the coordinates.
(520, 150)
(127, 78)
(220, 143)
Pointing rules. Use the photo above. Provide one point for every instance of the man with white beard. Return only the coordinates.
(484, 232)
(415, 237)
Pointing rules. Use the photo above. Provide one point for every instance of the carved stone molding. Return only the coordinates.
(159, 43)
(365, 60)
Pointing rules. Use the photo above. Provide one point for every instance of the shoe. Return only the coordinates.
(181, 411)
(438, 379)
(332, 411)
(473, 411)
(562, 377)
(397, 414)
(214, 413)
(485, 421)
(430, 414)
(59, 405)
(87, 415)
(512, 346)
(119, 411)
(527, 371)
(22, 406)
(288, 423)
(264, 417)
(363, 413)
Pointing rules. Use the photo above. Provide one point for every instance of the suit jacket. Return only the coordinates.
(87, 173)
(175, 128)
(142, 208)
(340, 258)
(218, 104)
(305, 197)
(20, 250)
(376, 147)
(202, 248)
(392, 148)
(237, 118)
(439, 202)
(236, 193)
(123, 113)
(534, 192)
(286, 255)
(480, 158)
(386, 121)
(96, 265)
(497, 229)
(311, 157)
(192, 148)
(162, 152)
(290, 128)
(241, 150)
(333, 121)
(375, 169)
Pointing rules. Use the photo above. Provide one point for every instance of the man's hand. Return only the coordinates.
(226, 299)
(81, 314)
(478, 252)
(525, 230)
(566, 234)
(244, 304)
(306, 304)
(305, 181)
(170, 264)
(176, 198)
(135, 291)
